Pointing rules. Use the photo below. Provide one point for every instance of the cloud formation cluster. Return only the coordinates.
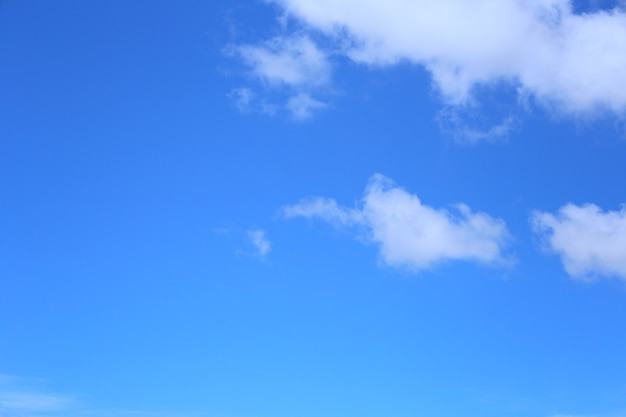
(560, 57)
(550, 54)
(573, 62)
(589, 241)
(409, 233)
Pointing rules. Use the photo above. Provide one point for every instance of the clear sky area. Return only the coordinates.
(312, 208)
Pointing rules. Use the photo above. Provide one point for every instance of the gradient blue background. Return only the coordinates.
(128, 180)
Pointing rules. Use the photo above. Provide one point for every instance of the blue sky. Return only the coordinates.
(312, 208)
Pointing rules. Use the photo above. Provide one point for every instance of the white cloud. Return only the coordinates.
(261, 244)
(302, 106)
(574, 62)
(292, 61)
(242, 98)
(246, 101)
(325, 208)
(589, 241)
(409, 233)
(465, 126)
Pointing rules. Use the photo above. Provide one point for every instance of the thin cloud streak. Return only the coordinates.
(27, 402)
(18, 398)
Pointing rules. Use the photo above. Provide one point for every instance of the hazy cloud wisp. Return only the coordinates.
(294, 63)
(19, 399)
(260, 242)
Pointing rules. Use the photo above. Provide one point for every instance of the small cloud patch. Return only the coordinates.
(590, 242)
(260, 242)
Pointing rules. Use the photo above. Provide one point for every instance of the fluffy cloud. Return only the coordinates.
(575, 62)
(590, 241)
(260, 242)
(409, 233)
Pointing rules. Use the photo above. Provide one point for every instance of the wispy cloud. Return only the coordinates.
(291, 63)
(247, 101)
(409, 233)
(20, 399)
(590, 242)
(260, 242)
(29, 402)
(302, 106)
(242, 98)
(470, 123)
